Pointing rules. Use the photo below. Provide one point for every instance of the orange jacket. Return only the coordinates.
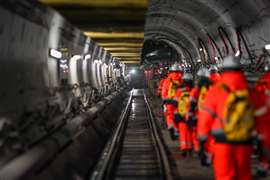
(173, 77)
(263, 83)
(161, 83)
(178, 94)
(212, 111)
(214, 77)
(197, 96)
(261, 98)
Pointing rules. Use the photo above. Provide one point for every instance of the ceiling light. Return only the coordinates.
(55, 53)
(113, 35)
(267, 47)
(133, 71)
(237, 53)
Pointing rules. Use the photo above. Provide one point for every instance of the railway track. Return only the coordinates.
(136, 150)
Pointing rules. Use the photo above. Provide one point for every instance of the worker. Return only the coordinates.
(161, 82)
(261, 100)
(214, 74)
(195, 100)
(264, 82)
(227, 114)
(169, 88)
(182, 96)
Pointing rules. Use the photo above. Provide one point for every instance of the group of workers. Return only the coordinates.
(218, 116)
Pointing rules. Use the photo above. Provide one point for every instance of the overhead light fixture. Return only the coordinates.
(133, 71)
(120, 44)
(115, 35)
(216, 58)
(267, 46)
(55, 53)
(199, 60)
(237, 53)
(201, 49)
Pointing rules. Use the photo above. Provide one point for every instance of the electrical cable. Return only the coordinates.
(222, 32)
(214, 45)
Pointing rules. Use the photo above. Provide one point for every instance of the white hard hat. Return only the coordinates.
(175, 67)
(213, 68)
(203, 72)
(267, 67)
(187, 76)
(231, 63)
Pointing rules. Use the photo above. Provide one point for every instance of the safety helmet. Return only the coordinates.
(175, 67)
(213, 69)
(231, 63)
(187, 77)
(203, 72)
(267, 67)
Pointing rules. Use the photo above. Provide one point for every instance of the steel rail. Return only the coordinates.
(104, 172)
(160, 146)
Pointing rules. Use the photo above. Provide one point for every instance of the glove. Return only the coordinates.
(178, 118)
(192, 121)
(203, 156)
(165, 101)
(193, 106)
(164, 108)
(174, 103)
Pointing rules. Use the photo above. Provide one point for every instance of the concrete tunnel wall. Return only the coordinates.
(50, 117)
(186, 21)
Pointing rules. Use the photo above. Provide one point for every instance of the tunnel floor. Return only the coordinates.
(186, 167)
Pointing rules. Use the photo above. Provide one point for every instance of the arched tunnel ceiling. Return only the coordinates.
(117, 25)
(120, 26)
(193, 19)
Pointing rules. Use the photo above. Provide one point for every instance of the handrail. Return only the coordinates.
(106, 162)
(164, 161)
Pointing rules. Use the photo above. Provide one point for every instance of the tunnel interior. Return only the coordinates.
(68, 67)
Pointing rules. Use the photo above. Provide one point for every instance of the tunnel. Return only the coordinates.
(83, 92)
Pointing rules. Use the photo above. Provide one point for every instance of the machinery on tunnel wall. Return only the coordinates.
(50, 73)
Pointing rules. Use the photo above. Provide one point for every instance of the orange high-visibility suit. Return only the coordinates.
(185, 138)
(214, 77)
(263, 83)
(196, 98)
(170, 85)
(231, 160)
(161, 83)
(261, 100)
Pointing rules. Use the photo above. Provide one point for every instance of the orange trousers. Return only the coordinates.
(185, 138)
(232, 162)
(169, 116)
(195, 141)
(188, 137)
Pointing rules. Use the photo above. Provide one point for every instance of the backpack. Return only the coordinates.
(238, 119)
(183, 103)
(202, 94)
(172, 88)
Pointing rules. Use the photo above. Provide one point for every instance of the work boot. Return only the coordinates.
(172, 134)
(262, 173)
(184, 153)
